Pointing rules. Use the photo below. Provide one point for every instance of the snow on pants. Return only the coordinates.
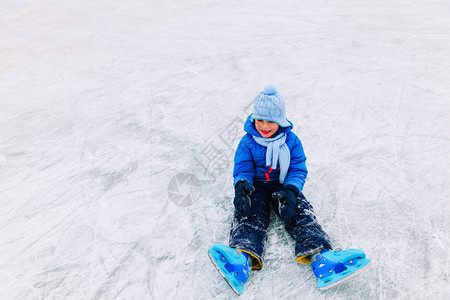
(250, 233)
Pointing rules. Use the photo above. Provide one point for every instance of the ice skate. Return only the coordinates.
(233, 265)
(334, 267)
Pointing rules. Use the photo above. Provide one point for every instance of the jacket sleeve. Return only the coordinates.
(297, 172)
(244, 167)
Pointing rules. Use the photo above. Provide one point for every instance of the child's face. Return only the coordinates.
(266, 128)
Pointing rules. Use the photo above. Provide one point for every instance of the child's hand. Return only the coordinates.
(242, 201)
(288, 203)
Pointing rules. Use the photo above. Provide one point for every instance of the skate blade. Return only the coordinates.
(223, 275)
(324, 288)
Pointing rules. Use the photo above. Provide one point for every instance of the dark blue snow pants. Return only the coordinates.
(250, 233)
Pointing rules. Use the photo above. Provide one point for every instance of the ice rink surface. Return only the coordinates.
(119, 121)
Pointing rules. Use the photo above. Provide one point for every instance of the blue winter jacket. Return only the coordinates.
(250, 159)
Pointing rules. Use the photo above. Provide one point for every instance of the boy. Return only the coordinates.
(270, 171)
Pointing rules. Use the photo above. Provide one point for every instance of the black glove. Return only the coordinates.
(287, 198)
(242, 201)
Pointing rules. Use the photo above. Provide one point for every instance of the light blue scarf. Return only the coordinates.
(277, 150)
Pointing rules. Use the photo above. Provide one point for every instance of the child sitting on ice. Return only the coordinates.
(270, 171)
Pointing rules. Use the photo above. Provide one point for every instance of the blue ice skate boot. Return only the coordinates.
(334, 267)
(233, 265)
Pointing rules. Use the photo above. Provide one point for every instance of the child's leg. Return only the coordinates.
(249, 234)
(306, 231)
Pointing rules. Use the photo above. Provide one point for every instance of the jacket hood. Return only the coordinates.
(249, 127)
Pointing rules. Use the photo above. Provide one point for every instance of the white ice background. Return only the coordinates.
(103, 103)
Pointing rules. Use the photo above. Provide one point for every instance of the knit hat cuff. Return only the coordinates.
(282, 122)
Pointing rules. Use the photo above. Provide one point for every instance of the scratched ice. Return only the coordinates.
(103, 103)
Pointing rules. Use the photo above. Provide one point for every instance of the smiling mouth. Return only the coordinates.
(265, 132)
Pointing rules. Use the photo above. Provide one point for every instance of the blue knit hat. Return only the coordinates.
(269, 105)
